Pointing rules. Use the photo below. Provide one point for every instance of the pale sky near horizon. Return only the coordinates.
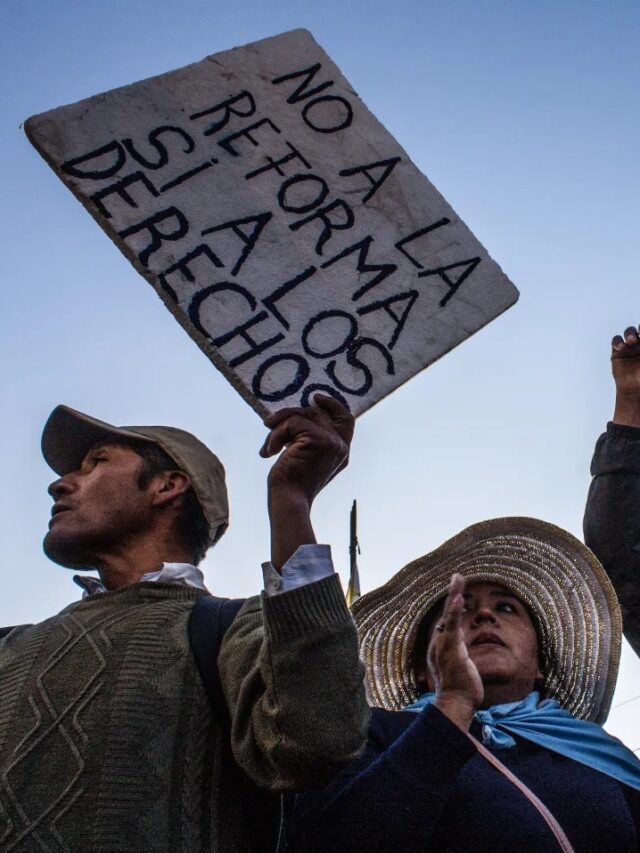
(524, 116)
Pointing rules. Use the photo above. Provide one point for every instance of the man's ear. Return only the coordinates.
(169, 485)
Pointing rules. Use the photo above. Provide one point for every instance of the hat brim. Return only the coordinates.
(569, 596)
(69, 435)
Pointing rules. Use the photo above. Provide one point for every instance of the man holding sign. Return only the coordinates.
(108, 740)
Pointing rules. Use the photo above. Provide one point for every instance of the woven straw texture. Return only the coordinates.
(571, 600)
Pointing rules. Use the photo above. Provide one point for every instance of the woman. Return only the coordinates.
(517, 663)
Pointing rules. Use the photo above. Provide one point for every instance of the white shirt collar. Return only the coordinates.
(182, 574)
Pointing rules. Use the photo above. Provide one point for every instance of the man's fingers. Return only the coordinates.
(342, 419)
(325, 417)
(324, 409)
(281, 415)
(285, 432)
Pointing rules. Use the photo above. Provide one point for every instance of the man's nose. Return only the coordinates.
(63, 486)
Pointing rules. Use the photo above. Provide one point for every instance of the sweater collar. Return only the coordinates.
(181, 574)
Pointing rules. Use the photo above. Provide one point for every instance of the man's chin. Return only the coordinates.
(66, 553)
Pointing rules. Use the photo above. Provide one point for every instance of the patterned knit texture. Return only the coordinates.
(106, 742)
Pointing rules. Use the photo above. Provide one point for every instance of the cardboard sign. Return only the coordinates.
(281, 224)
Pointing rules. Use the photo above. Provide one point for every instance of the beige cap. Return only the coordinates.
(68, 435)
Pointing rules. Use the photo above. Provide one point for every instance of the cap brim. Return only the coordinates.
(68, 436)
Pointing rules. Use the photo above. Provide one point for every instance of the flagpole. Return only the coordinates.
(353, 589)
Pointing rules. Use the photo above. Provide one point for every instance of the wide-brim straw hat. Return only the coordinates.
(570, 598)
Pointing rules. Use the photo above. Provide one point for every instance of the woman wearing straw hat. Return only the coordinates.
(491, 664)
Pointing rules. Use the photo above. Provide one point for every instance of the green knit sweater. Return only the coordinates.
(107, 740)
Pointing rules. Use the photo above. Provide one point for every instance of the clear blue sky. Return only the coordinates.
(524, 115)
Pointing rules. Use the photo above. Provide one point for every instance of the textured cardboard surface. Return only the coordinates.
(282, 225)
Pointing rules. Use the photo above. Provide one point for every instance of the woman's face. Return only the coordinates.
(501, 640)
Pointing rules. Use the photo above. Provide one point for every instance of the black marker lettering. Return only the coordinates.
(328, 119)
(387, 167)
(249, 238)
(183, 266)
(299, 365)
(156, 235)
(329, 224)
(451, 281)
(409, 297)
(416, 234)
(293, 154)
(344, 340)
(362, 248)
(301, 92)
(119, 188)
(95, 159)
(298, 181)
(353, 361)
(246, 132)
(154, 141)
(230, 107)
(185, 177)
(280, 292)
(241, 331)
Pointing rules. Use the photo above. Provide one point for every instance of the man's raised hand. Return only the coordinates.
(316, 441)
(313, 443)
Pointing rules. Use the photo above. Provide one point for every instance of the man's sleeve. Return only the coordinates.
(293, 682)
(612, 518)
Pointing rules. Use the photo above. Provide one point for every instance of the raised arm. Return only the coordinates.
(612, 516)
(289, 662)
(315, 442)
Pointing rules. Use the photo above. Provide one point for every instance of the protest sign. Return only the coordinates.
(279, 221)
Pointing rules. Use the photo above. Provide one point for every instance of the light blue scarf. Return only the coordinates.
(547, 724)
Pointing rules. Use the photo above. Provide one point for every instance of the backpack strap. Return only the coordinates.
(208, 623)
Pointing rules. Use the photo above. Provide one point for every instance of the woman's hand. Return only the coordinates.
(458, 687)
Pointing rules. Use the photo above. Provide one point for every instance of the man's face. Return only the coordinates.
(500, 638)
(98, 508)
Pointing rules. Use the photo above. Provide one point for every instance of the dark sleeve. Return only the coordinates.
(387, 801)
(612, 518)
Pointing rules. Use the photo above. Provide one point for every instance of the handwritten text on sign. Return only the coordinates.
(279, 221)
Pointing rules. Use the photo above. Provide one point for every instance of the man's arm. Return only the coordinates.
(289, 662)
(612, 516)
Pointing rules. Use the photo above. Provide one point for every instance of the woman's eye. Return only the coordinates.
(506, 607)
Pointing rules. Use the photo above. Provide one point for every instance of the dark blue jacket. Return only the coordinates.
(421, 786)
